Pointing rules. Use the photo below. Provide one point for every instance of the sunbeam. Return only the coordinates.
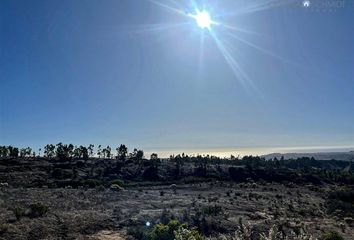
(242, 30)
(201, 54)
(220, 31)
(165, 6)
(239, 73)
(258, 47)
(253, 7)
(158, 27)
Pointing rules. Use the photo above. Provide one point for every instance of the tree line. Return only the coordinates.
(67, 151)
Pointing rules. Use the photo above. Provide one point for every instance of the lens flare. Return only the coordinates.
(203, 19)
(221, 32)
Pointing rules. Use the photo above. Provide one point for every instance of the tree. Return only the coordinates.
(122, 151)
(77, 152)
(99, 151)
(80, 152)
(178, 164)
(12, 151)
(202, 164)
(151, 173)
(22, 152)
(49, 150)
(154, 156)
(84, 152)
(108, 150)
(90, 150)
(4, 151)
(64, 151)
(155, 161)
(137, 157)
(69, 149)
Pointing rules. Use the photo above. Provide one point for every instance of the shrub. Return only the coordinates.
(172, 230)
(245, 232)
(166, 231)
(187, 234)
(341, 202)
(349, 220)
(212, 210)
(37, 210)
(100, 188)
(206, 222)
(161, 232)
(3, 228)
(118, 182)
(91, 183)
(273, 234)
(33, 211)
(116, 187)
(331, 235)
(139, 233)
(19, 212)
(166, 216)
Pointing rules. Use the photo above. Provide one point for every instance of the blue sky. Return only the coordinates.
(134, 72)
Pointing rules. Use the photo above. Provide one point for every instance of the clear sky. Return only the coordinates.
(266, 76)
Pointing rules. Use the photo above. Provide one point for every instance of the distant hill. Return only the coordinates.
(345, 156)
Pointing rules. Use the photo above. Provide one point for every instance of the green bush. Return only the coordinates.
(172, 230)
(187, 234)
(19, 212)
(165, 231)
(331, 235)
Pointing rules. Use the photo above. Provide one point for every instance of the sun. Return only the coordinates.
(203, 19)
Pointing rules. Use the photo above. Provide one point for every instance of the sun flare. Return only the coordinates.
(203, 19)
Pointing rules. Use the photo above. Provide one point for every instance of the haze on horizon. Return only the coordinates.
(262, 78)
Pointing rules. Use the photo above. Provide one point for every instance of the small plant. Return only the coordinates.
(331, 235)
(100, 188)
(37, 210)
(139, 233)
(19, 212)
(212, 210)
(166, 231)
(244, 231)
(118, 182)
(166, 217)
(187, 234)
(273, 234)
(174, 230)
(91, 183)
(33, 211)
(3, 228)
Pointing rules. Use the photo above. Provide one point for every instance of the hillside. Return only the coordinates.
(132, 198)
(343, 156)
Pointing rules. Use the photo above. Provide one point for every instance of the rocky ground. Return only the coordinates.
(101, 213)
